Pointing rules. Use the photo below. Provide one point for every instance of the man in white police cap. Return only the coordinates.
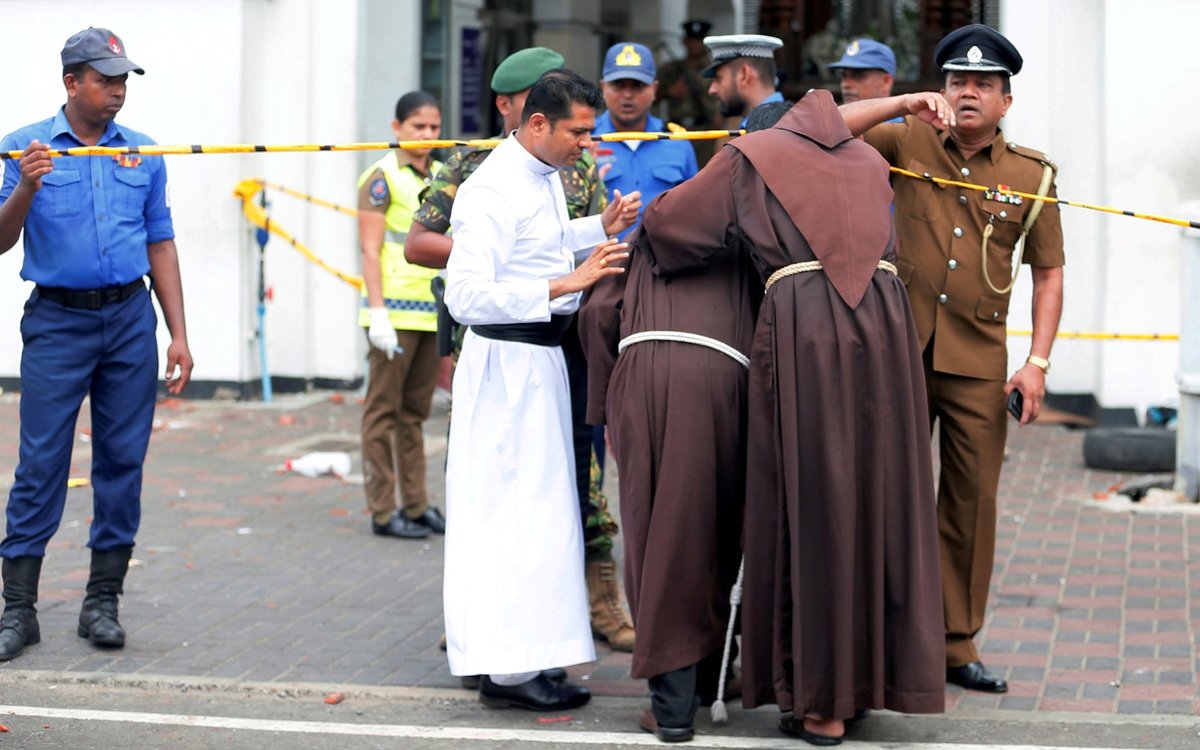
(742, 72)
(868, 69)
(959, 265)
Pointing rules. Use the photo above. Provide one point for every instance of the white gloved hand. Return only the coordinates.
(381, 334)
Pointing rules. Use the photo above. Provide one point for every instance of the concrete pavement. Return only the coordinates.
(246, 575)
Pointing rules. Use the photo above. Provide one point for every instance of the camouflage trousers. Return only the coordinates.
(599, 526)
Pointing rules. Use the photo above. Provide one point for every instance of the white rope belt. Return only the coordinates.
(815, 265)
(685, 338)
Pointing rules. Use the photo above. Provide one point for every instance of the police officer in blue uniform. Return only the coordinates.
(94, 228)
(629, 85)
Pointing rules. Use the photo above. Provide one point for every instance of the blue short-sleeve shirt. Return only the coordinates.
(654, 167)
(90, 223)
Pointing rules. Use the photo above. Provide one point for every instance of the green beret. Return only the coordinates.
(520, 70)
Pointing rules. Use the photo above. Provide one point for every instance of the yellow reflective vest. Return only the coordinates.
(406, 292)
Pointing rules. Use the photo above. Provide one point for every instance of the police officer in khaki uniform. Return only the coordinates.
(400, 316)
(957, 256)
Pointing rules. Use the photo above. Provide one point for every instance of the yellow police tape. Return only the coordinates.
(1047, 199)
(252, 148)
(1103, 335)
(694, 135)
(247, 189)
(257, 215)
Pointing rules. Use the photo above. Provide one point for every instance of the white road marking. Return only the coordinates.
(461, 734)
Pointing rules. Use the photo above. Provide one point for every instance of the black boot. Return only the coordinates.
(18, 624)
(98, 618)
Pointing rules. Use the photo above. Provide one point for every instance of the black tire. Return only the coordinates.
(1135, 449)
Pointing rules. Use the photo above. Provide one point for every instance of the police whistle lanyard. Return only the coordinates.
(1043, 188)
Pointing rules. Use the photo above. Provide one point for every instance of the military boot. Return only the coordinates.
(609, 621)
(18, 624)
(98, 618)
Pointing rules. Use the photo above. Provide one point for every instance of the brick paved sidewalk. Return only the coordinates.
(242, 572)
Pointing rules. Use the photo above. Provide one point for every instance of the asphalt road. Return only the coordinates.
(45, 710)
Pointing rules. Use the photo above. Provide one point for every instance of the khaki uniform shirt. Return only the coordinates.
(941, 234)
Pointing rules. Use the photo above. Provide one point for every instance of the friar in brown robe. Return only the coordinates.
(675, 411)
(842, 599)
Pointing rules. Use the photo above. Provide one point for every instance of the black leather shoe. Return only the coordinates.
(974, 676)
(432, 519)
(98, 617)
(400, 526)
(558, 674)
(539, 694)
(18, 629)
(664, 734)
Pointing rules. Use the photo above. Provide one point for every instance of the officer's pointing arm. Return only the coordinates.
(927, 106)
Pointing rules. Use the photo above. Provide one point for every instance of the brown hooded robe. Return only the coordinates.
(676, 416)
(842, 602)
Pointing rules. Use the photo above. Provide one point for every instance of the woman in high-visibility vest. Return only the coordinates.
(401, 320)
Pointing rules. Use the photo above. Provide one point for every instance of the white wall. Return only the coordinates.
(1119, 127)
(238, 71)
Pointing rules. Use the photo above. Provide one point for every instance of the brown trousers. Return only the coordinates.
(973, 428)
(399, 397)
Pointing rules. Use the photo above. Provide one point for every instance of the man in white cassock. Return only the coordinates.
(514, 593)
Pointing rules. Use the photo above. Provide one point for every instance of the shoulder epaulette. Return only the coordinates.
(1032, 153)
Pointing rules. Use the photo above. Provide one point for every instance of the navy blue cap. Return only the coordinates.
(101, 49)
(867, 54)
(629, 60)
(977, 48)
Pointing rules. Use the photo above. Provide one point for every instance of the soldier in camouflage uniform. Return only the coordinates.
(586, 195)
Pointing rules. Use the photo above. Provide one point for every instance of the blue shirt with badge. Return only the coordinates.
(91, 221)
(649, 166)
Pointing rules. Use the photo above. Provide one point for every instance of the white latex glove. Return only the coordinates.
(381, 334)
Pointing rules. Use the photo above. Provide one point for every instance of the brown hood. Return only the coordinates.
(834, 188)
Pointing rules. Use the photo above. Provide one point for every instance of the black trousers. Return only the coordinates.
(676, 696)
(581, 431)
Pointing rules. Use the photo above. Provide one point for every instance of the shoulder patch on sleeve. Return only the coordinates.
(1032, 153)
(377, 192)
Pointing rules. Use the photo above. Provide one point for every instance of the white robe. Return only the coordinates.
(514, 592)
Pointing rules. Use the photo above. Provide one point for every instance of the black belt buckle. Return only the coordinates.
(91, 299)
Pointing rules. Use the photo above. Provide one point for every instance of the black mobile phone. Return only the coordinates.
(1016, 404)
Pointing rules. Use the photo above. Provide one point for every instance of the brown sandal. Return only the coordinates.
(792, 725)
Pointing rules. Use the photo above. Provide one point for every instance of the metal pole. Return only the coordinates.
(262, 235)
(1187, 437)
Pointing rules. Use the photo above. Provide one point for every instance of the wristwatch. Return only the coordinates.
(1039, 362)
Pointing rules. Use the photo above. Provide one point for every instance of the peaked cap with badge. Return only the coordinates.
(977, 49)
(696, 29)
(729, 47)
(522, 69)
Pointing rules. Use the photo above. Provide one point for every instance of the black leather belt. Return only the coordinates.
(541, 334)
(91, 299)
